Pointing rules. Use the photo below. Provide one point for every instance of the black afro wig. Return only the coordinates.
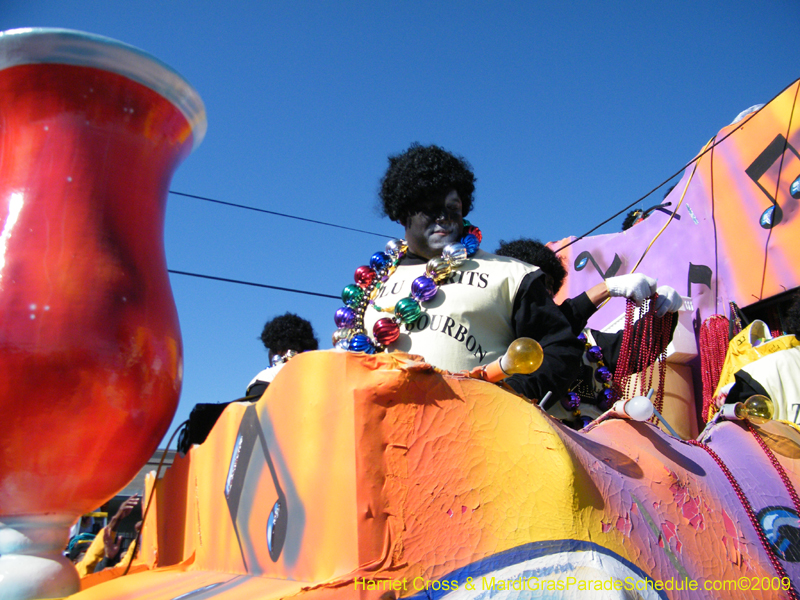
(289, 332)
(422, 173)
(536, 253)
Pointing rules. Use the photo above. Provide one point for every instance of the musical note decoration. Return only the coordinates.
(586, 257)
(794, 189)
(773, 153)
(700, 274)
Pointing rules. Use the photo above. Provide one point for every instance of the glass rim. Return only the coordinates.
(41, 45)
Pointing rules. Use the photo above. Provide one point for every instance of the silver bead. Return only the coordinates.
(342, 334)
(455, 253)
(394, 247)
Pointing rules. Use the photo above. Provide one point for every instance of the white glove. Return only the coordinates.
(720, 399)
(635, 286)
(668, 301)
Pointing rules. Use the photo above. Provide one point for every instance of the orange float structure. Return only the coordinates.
(379, 475)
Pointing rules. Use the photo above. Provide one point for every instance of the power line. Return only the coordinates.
(261, 285)
(709, 148)
(278, 214)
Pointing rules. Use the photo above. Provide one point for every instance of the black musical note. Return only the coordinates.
(698, 274)
(249, 440)
(763, 163)
(585, 257)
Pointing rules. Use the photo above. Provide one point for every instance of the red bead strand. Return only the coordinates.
(622, 372)
(778, 467)
(713, 348)
(751, 515)
(640, 354)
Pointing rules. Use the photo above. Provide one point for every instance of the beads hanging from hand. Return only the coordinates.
(641, 354)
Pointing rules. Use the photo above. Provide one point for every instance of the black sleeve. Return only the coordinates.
(257, 389)
(744, 387)
(611, 343)
(578, 310)
(103, 564)
(536, 316)
(107, 563)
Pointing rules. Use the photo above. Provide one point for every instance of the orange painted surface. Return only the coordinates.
(390, 470)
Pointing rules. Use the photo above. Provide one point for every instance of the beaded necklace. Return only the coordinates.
(751, 514)
(640, 355)
(608, 393)
(713, 348)
(359, 296)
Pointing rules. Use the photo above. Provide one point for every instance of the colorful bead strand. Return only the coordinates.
(351, 334)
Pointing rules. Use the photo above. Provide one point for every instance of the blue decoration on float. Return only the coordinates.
(794, 189)
(272, 521)
(766, 218)
(780, 524)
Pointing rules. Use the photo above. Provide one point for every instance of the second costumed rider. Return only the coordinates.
(438, 295)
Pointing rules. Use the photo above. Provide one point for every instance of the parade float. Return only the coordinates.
(379, 476)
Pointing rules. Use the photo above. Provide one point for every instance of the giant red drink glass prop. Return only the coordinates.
(91, 131)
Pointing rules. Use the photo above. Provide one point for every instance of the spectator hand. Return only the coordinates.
(111, 543)
(634, 286)
(124, 510)
(668, 301)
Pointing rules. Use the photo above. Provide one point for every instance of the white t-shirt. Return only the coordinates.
(779, 375)
(469, 321)
(267, 375)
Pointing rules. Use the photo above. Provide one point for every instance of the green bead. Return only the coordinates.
(352, 295)
(407, 310)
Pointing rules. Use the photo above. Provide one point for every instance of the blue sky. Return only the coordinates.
(568, 112)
